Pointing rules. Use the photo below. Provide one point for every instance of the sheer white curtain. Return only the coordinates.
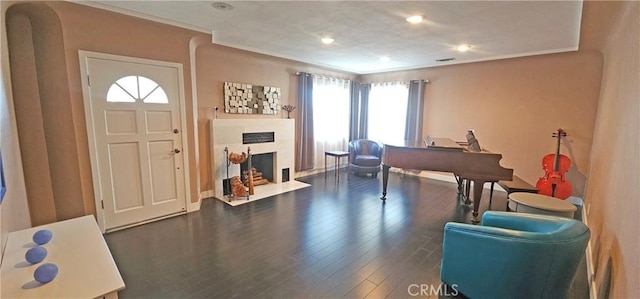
(330, 116)
(387, 111)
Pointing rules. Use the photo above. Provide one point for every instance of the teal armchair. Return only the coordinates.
(513, 255)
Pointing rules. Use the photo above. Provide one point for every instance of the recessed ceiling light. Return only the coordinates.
(327, 40)
(463, 48)
(385, 58)
(415, 19)
(222, 6)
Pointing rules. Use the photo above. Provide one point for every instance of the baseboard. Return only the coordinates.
(195, 206)
(115, 229)
(440, 176)
(206, 194)
(593, 290)
(301, 174)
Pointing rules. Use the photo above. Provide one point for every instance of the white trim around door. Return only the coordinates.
(182, 153)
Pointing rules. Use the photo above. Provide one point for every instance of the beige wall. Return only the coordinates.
(218, 64)
(14, 212)
(42, 113)
(514, 105)
(613, 188)
(102, 31)
(57, 140)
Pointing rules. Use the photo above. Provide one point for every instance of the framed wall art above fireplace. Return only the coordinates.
(240, 98)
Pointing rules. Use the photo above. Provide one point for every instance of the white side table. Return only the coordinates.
(85, 266)
(540, 204)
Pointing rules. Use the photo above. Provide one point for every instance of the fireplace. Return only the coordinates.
(272, 146)
(262, 163)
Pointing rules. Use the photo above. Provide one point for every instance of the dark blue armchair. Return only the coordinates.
(513, 255)
(365, 156)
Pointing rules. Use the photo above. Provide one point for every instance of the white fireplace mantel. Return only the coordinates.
(227, 133)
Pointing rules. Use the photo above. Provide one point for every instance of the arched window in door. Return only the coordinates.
(130, 89)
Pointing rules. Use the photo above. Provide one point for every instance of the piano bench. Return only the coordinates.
(515, 185)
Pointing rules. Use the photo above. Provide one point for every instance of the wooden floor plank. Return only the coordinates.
(333, 239)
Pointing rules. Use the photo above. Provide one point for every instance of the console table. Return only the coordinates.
(337, 155)
(85, 266)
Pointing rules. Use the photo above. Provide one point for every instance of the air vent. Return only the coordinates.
(261, 137)
(445, 59)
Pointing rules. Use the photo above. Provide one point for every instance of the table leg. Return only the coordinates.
(325, 166)
(337, 168)
(348, 168)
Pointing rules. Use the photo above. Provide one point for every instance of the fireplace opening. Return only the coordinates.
(263, 163)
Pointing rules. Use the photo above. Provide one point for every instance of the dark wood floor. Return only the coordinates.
(329, 240)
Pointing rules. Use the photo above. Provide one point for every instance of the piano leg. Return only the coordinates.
(477, 196)
(385, 179)
(467, 189)
(459, 180)
(463, 189)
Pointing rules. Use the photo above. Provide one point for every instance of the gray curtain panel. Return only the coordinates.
(305, 146)
(413, 127)
(364, 111)
(354, 107)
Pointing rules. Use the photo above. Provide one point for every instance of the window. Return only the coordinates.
(387, 112)
(135, 88)
(330, 115)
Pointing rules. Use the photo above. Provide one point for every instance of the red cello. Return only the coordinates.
(555, 166)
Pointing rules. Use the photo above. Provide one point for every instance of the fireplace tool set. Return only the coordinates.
(234, 187)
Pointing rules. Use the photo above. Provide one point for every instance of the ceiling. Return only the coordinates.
(366, 30)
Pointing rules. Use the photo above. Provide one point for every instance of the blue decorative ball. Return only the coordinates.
(46, 273)
(42, 236)
(36, 254)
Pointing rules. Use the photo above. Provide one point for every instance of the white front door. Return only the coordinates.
(134, 123)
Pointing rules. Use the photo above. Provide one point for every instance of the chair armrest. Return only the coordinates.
(486, 232)
(352, 152)
(523, 221)
(379, 149)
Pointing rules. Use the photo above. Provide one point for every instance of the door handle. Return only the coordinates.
(177, 151)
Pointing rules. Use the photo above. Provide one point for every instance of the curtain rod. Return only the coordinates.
(324, 76)
(407, 81)
(298, 74)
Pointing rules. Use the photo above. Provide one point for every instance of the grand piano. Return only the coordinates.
(444, 154)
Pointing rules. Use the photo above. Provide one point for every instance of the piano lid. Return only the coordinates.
(430, 143)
